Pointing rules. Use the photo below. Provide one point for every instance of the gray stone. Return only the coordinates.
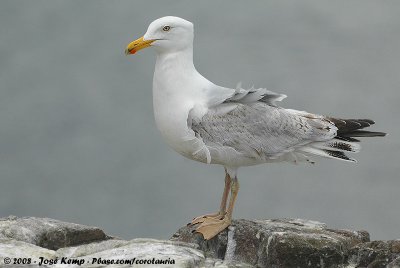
(260, 243)
(91, 248)
(174, 254)
(17, 249)
(33, 238)
(394, 264)
(48, 233)
(376, 254)
(278, 243)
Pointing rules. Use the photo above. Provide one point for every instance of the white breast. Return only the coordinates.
(174, 96)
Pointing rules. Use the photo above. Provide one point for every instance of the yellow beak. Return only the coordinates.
(137, 45)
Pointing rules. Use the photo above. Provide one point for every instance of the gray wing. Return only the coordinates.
(260, 130)
(251, 95)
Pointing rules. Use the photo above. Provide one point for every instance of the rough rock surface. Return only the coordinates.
(256, 243)
(294, 243)
(376, 254)
(278, 243)
(48, 233)
(54, 240)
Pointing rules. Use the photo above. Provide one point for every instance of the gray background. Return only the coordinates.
(78, 140)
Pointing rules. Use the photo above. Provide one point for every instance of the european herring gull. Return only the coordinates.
(233, 127)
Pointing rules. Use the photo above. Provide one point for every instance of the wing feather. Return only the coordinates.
(259, 130)
(251, 95)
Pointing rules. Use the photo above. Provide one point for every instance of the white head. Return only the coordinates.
(166, 34)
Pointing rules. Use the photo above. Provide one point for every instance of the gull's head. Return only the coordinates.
(166, 34)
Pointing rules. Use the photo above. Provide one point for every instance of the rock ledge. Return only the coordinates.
(247, 243)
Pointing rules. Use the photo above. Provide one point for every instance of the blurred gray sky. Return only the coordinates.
(78, 139)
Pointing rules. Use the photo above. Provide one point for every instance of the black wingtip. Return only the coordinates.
(350, 128)
(363, 133)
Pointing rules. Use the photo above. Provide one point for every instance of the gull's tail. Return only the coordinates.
(345, 141)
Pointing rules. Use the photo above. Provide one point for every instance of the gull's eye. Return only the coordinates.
(166, 28)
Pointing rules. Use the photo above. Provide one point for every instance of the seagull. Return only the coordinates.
(233, 127)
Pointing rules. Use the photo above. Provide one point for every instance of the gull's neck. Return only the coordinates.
(175, 74)
(174, 86)
(177, 62)
(176, 78)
